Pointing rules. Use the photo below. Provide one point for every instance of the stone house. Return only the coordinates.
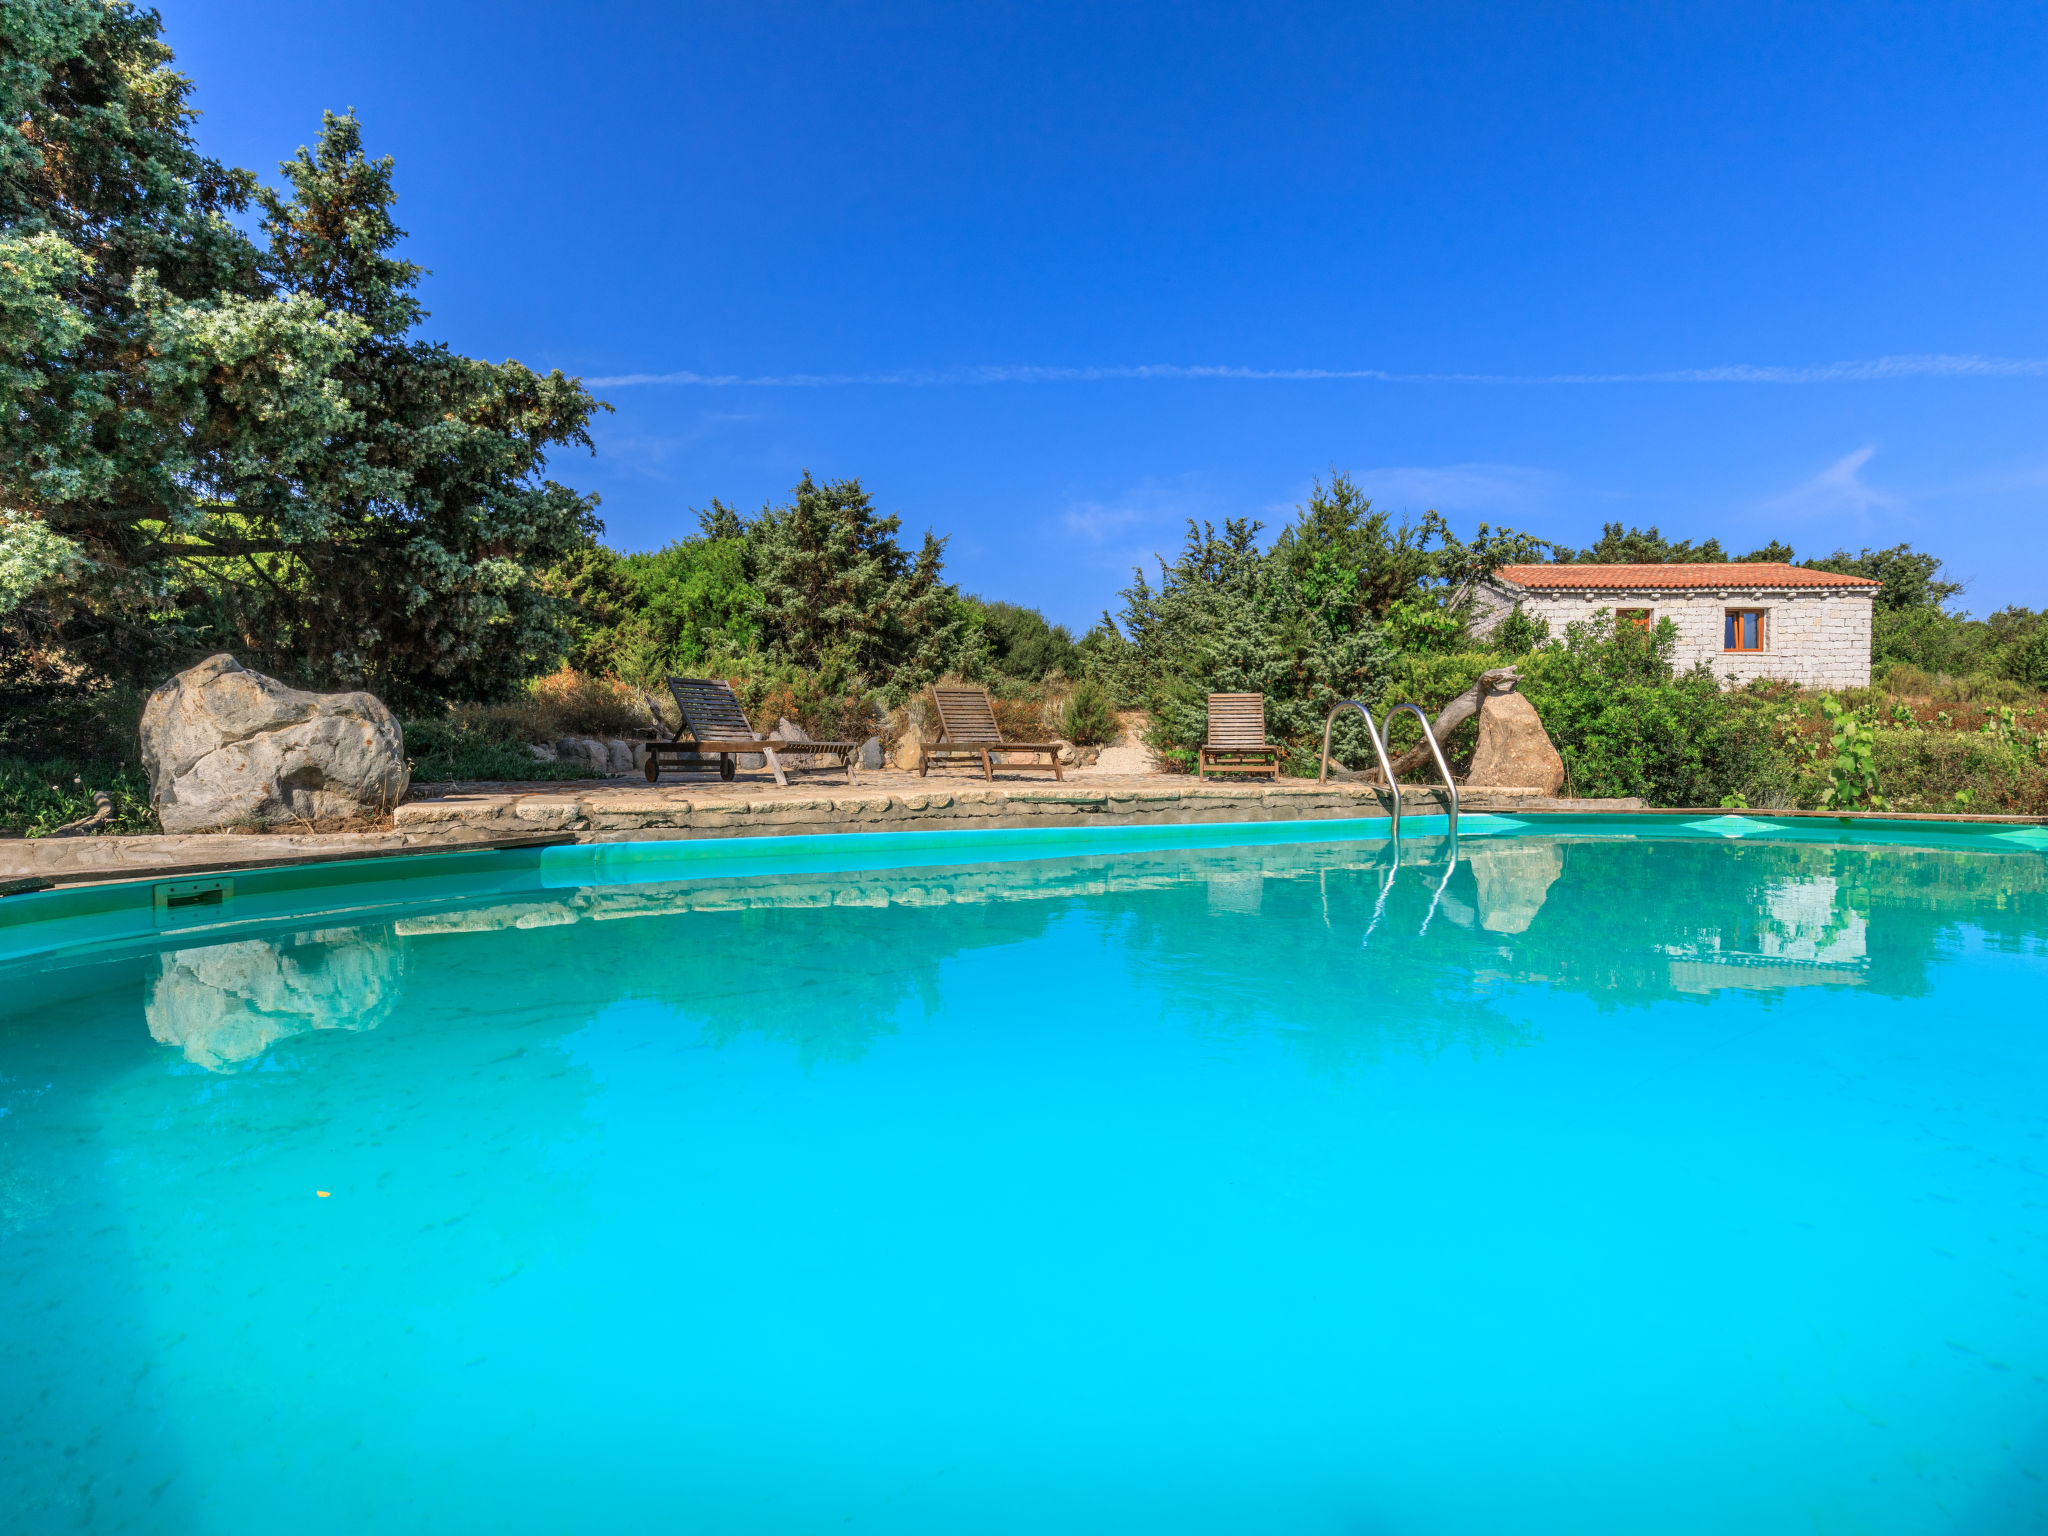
(1744, 619)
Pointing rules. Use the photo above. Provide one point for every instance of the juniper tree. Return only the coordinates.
(1315, 619)
(412, 559)
(1227, 618)
(207, 441)
(841, 598)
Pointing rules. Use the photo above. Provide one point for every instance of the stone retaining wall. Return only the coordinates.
(658, 813)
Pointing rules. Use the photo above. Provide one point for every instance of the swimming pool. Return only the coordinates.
(1617, 1177)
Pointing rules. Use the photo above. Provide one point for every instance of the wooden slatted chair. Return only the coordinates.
(715, 725)
(1237, 737)
(967, 728)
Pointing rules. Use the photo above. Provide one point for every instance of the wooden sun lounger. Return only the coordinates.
(715, 725)
(967, 727)
(1237, 737)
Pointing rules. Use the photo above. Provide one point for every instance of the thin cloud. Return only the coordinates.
(1132, 528)
(1837, 491)
(1869, 370)
(1488, 489)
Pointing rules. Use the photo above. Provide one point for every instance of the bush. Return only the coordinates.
(38, 797)
(564, 703)
(1922, 770)
(1904, 680)
(45, 714)
(1520, 633)
(441, 750)
(792, 693)
(1088, 718)
(1022, 644)
(1626, 726)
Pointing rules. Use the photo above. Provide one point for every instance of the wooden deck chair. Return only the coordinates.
(715, 725)
(967, 728)
(1237, 737)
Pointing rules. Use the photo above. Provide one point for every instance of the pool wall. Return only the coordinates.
(90, 918)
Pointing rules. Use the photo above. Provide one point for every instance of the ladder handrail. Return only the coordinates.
(1435, 750)
(1379, 748)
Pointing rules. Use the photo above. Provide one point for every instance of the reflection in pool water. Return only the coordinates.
(226, 1004)
(1587, 1185)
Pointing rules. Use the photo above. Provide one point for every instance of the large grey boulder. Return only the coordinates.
(228, 747)
(1514, 750)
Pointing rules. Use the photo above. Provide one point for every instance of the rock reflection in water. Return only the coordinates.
(226, 1005)
(1513, 878)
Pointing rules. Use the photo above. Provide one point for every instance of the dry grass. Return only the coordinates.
(564, 703)
(1901, 681)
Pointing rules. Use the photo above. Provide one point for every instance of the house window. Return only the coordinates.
(1743, 630)
(1639, 617)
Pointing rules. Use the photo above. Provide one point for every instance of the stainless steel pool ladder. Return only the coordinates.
(1379, 749)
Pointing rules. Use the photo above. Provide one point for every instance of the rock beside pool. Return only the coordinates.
(1514, 750)
(227, 747)
(585, 752)
(906, 741)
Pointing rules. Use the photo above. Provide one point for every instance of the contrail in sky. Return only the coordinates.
(1912, 366)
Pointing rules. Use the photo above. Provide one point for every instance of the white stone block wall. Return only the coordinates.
(1817, 637)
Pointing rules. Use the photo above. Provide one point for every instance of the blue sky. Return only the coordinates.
(1053, 279)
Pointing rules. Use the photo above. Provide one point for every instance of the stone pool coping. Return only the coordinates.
(619, 810)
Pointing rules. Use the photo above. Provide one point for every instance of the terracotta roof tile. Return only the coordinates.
(1583, 578)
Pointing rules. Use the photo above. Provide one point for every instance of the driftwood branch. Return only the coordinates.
(103, 812)
(1455, 714)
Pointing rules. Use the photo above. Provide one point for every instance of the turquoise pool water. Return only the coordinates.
(1232, 1182)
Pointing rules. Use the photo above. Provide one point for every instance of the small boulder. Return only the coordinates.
(907, 745)
(1514, 750)
(228, 747)
(543, 752)
(787, 729)
(618, 756)
(584, 751)
(871, 756)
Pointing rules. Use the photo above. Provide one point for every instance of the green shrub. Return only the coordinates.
(1520, 633)
(1022, 644)
(441, 750)
(1088, 720)
(1924, 770)
(46, 714)
(1626, 726)
(1852, 775)
(38, 797)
